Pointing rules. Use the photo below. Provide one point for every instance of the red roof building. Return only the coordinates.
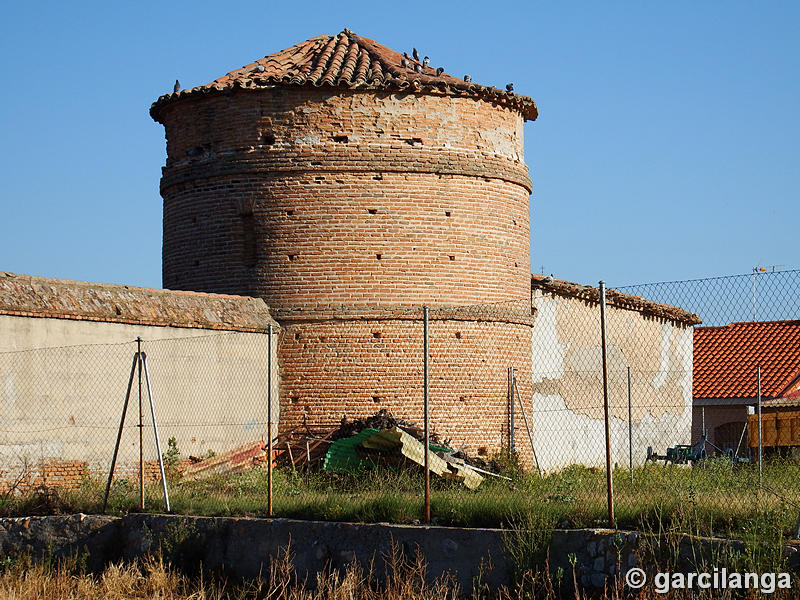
(726, 358)
(725, 380)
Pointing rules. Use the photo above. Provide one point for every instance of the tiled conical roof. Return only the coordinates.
(351, 61)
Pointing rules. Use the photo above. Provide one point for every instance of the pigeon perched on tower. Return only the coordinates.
(426, 61)
(415, 54)
(177, 87)
(509, 87)
(439, 70)
(468, 78)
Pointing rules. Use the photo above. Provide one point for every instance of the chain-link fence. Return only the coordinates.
(68, 412)
(738, 465)
(528, 405)
(762, 295)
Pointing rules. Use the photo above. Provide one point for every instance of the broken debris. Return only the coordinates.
(373, 446)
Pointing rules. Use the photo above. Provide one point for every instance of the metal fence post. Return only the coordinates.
(155, 431)
(511, 441)
(141, 426)
(630, 427)
(609, 474)
(425, 415)
(760, 441)
(119, 432)
(527, 426)
(269, 420)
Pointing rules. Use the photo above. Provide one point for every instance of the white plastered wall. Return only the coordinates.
(63, 384)
(567, 400)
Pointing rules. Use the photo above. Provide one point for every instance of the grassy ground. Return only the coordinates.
(716, 499)
(666, 501)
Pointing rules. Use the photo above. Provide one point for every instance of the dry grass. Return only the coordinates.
(152, 578)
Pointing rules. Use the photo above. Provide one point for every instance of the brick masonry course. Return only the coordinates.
(362, 203)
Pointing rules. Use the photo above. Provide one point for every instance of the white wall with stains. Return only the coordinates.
(63, 384)
(567, 394)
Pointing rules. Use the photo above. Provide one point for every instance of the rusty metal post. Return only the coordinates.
(760, 441)
(511, 441)
(630, 427)
(269, 420)
(609, 473)
(425, 415)
(141, 426)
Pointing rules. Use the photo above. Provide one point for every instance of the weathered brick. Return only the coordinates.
(343, 209)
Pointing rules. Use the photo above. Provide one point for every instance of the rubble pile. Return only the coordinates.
(382, 419)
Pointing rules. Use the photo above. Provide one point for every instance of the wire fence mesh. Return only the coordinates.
(63, 412)
(718, 474)
(517, 404)
(763, 295)
(57, 413)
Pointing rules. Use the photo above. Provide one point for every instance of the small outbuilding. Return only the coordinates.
(725, 387)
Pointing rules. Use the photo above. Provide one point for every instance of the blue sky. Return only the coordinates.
(666, 148)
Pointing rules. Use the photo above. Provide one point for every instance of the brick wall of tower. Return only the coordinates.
(363, 198)
(318, 200)
(350, 238)
(336, 369)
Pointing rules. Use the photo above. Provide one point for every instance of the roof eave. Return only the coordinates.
(525, 105)
(588, 293)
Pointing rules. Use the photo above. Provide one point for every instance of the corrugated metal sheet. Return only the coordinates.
(371, 446)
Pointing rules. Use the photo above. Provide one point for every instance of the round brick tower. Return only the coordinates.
(347, 186)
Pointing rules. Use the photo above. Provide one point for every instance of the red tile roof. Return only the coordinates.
(725, 359)
(27, 296)
(351, 61)
(561, 287)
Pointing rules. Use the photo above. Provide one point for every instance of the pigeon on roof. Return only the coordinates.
(347, 60)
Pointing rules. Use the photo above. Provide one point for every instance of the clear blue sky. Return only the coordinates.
(667, 147)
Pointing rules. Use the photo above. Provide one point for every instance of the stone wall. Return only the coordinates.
(243, 547)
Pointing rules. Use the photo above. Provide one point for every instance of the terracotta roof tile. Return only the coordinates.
(351, 61)
(725, 359)
(560, 287)
(27, 296)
